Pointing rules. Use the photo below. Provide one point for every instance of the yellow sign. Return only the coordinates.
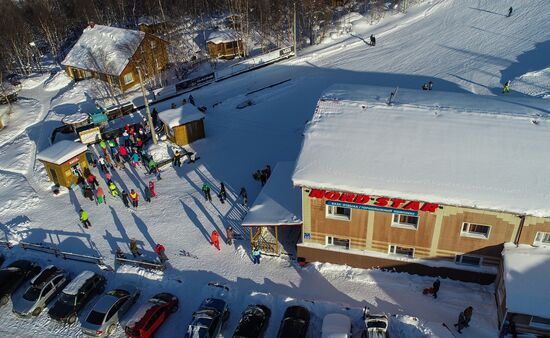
(90, 135)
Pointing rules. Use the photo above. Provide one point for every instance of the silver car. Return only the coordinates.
(41, 290)
(106, 313)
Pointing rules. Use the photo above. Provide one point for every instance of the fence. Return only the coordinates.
(140, 263)
(58, 253)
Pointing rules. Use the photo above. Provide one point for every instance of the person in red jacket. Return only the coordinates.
(159, 249)
(92, 181)
(134, 197)
(123, 152)
(215, 238)
(152, 188)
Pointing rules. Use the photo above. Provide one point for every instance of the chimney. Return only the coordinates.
(92, 24)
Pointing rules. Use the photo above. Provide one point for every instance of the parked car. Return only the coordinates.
(208, 320)
(150, 316)
(253, 322)
(106, 313)
(42, 289)
(76, 295)
(377, 326)
(336, 325)
(295, 323)
(13, 276)
(2, 258)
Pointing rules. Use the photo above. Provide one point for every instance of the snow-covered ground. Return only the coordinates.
(463, 46)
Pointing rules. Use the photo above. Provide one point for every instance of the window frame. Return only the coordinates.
(399, 224)
(128, 74)
(398, 254)
(337, 217)
(474, 235)
(539, 242)
(459, 260)
(329, 241)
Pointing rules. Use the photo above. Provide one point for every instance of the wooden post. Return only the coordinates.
(277, 240)
(251, 237)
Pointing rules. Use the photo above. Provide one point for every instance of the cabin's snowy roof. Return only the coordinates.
(451, 148)
(104, 49)
(279, 202)
(61, 151)
(74, 286)
(181, 115)
(222, 36)
(526, 271)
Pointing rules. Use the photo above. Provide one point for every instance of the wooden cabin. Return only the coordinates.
(225, 45)
(64, 162)
(112, 54)
(183, 125)
(152, 25)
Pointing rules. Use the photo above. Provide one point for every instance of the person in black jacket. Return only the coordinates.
(435, 286)
(372, 40)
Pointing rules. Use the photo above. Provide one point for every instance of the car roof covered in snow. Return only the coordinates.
(61, 151)
(279, 202)
(104, 49)
(450, 148)
(222, 36)
(336, 325)
(75, 285)
(526, 271)
(181, 115)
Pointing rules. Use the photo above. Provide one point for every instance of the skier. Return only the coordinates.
(215, 239)
(100, 196)
(108, 176)
(109, 161)
(155, 117)
(372, 40)
(88, 193)
(256, 255)
(101, 162)
(244, 196)
(230, 235)
(84, 219)
(103, 146)
(123, 152)
(223, 194)
(510, 12)
(191, 99)
(147, 195)
(152, 166)
(263, 177)
(435, 287)
(152, 188)
(159, 249)
(206, 191)
(506, 88)
(92, 180)
(125, 199)
(177, 159)
(464, 319)
(430, 85)
(134, 197)
(135, 159)
(113, 188)
(134, 248)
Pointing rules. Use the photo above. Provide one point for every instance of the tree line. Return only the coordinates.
(31, 28)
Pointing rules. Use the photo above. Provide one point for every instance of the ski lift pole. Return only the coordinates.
(149, 118)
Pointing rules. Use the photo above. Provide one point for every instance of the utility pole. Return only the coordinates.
(295, 51)
(149, 118)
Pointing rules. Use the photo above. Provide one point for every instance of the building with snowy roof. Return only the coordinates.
(64, 162)
(225, 44)
(184, 124)
(114, 55)
(434, 183)
(522, 290)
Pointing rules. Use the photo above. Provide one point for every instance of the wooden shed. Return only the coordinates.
(225, 45)
(183, 125)
(64, 162)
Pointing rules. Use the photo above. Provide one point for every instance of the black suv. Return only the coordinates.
(13, 275)
(76, 295)
(208, 320)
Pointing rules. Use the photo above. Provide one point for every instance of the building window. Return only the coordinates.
(543, 323)
(339, 242)
(404, 221)
(468, 260)
(401, 251)
(153, 44)
(128, 78)
(338, 212)
(475, 230)
(542, 238)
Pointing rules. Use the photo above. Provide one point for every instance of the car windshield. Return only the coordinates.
(68, 299)
(32, 293)
(376, 324)
(95, 318)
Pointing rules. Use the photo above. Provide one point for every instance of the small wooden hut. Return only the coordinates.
(225, 45)
(64, 162)
(183, 125)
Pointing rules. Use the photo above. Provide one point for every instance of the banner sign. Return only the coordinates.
(360, 201)
(373, 208)
(91, 135)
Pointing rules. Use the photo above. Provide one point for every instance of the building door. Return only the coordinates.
(53, 174)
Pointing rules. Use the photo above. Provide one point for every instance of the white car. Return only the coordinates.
(336, 325)
(377, 326)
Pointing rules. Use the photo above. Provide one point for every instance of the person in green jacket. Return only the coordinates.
(148, 194)
(152, 165)
(206, 191)
(103, 146)
(84, 219)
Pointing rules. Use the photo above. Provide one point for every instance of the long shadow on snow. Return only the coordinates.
(193, 218)
(529, 61)
(144, 230)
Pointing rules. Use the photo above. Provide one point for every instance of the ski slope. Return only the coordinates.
(462, 46)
